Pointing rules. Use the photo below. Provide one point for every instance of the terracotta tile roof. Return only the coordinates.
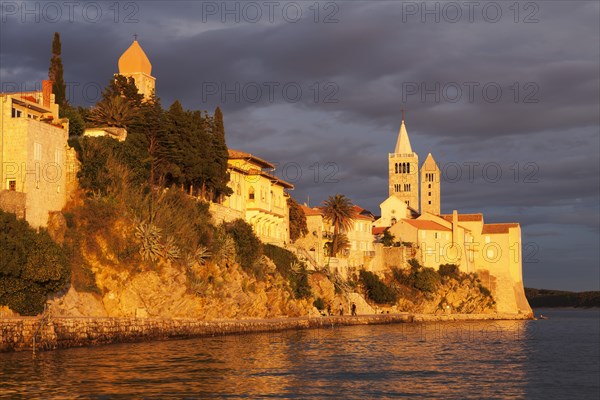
(241, 155)
(426, 225)
(361, 213)
(310, 211)
(498, 228)
(464, 217)
(378, 230)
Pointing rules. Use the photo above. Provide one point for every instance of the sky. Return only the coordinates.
(504, 94)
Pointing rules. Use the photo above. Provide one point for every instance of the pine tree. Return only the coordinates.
(55, 72)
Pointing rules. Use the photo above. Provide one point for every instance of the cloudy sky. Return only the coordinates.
(505, 96)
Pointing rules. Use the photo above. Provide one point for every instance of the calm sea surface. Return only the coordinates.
(556, 358)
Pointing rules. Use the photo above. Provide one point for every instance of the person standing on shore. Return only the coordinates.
(353, 308)
(341, 309)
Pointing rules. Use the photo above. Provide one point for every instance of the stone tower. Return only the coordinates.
(430, 186)
(404, 171)
(134, 63)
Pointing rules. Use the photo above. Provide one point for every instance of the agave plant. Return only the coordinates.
(149, 237)
(201, 255)
(170, 251)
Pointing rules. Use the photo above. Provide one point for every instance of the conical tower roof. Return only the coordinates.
(429, 164)
(134, 60)
(403, 143)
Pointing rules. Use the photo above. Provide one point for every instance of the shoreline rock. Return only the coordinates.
(17, 334)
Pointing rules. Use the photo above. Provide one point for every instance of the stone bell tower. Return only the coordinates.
(404, 171)
(430, 186)
(134, 63)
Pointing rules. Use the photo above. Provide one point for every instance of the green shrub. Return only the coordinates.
(449, 270)
(291, 268)
(377, 290)
(426, 280)
(485, 291)
(32, 266)
(248, 247)
(387, 239)
(319, 304)
(414, 264)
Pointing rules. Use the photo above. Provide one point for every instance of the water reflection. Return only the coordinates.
(440, 360)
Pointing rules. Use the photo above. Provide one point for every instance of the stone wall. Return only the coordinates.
(221, 213)
(18, 333)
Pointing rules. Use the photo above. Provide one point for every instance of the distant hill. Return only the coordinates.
(560, 298)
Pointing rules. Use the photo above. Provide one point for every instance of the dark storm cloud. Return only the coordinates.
(375, 57)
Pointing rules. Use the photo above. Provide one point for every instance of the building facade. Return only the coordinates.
(493, 251)
(34, 155)
(259, 196)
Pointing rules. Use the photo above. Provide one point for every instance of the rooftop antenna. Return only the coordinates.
(135, 35)
(402, 110)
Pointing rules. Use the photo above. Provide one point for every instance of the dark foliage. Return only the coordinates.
(284, 260)
(559, 298)
(32, 266)
(55, 72)
(319, 304)
(449, 270)
(248, 247)
(298, 227)
(376, 289)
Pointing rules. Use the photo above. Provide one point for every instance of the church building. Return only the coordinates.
(412, 215)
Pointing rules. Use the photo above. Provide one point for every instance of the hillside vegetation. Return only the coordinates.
(559, 298)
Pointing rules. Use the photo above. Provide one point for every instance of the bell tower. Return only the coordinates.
(134, 63)
(430, 186)
(404, 170)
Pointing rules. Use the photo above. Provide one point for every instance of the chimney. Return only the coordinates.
(46, 92)
(454, 227)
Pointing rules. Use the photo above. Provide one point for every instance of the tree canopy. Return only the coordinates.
(339, 211)
(55, 72)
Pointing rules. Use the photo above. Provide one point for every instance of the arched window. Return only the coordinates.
(396, 165)
(408, 168)
(251, 193)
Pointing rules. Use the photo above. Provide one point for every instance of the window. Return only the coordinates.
(429, 202)
(37, 152)
(408, 168)
(429, 186)
(16, 113)
(428, 193)
(435, 235)
(251, 193)
(12, 185)
(58, 157)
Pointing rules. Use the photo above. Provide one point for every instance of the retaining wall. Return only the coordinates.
(18, 333)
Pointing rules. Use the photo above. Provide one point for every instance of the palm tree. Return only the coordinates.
(339, 211)
(114, 111)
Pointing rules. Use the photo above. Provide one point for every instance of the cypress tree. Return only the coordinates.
(55, 72)
(220, 155)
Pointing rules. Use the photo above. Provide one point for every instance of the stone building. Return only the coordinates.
(493, 251)
(315, 243)
(135, 63)
(259, 196)
(37, 163)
